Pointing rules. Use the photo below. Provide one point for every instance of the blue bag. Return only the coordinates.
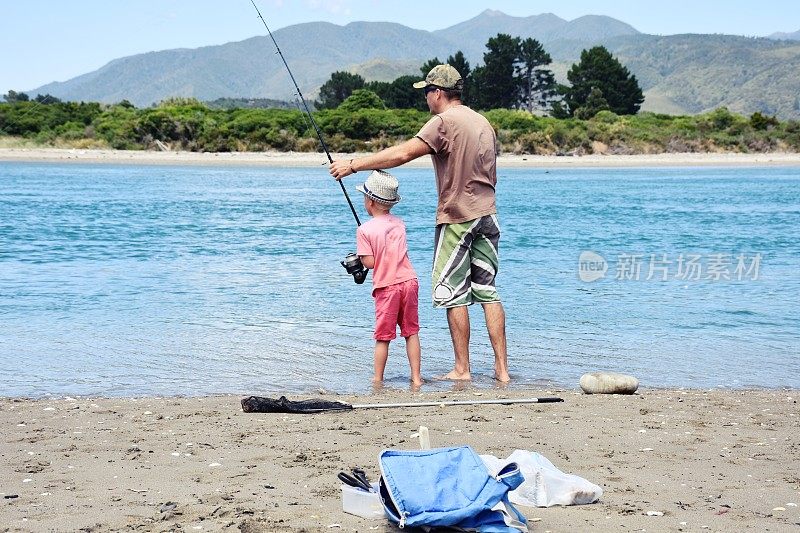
(448, 487)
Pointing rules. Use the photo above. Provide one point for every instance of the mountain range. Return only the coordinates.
(679, 74)
(793, 36)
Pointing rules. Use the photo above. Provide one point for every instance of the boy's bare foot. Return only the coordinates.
(456, 376)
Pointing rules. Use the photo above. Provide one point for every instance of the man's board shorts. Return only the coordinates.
(465, 262)
(396, 305)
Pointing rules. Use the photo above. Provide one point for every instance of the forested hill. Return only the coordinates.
(698, 73)
(679, 73)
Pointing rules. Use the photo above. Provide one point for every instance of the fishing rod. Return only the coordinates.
(308, 112)
(352, 263)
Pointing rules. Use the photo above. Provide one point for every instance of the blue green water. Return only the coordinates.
(129, 280)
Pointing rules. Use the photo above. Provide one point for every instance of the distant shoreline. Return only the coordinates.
(306, 159)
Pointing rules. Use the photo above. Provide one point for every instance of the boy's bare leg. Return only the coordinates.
(413, 350)
(458, 320)
(496, 326)
(381, 355)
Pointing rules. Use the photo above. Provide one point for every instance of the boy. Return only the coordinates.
(381, 246)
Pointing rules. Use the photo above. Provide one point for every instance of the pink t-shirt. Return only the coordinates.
(384, 238)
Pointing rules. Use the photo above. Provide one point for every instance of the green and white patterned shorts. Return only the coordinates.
(465, 262)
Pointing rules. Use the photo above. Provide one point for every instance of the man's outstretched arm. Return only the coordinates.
(391, 157)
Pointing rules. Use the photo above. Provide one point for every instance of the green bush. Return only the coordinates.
(606, 117)
(762, 122)
(361, 99)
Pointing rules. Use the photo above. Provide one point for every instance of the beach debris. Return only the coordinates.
(168, 510)
(215, 464)
(779, 509)
(34, 467)
(655, 513)
(11, 496)
(424, 438)
(608, 383)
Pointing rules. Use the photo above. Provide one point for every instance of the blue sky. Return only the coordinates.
(54, 40)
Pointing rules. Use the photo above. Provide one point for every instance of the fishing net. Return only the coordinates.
(259, 404)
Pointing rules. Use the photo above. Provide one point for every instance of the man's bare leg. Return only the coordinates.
(413, 351)
(381, 355)
(496, 326)
(458, 320)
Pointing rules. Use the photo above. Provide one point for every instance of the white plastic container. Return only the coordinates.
(362, 503)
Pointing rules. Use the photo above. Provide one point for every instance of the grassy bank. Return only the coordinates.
(190, 125)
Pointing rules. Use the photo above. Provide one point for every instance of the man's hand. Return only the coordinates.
(340, 169)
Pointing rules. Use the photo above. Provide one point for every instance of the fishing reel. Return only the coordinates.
(354, 267)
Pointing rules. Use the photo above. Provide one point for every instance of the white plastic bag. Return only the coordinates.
(544, 485)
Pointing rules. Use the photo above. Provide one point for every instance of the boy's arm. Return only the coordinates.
(364, 248)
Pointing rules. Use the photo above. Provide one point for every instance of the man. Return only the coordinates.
(462, 145)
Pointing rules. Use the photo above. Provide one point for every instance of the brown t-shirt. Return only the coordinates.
(464, 158)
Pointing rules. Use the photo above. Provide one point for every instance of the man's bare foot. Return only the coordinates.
(502, 377)
(456, 376)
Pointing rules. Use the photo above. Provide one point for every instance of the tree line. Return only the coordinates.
(514, 75)
(360, 123)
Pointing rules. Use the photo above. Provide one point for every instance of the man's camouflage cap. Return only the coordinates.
(444, 76)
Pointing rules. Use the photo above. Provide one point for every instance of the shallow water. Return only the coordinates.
(126, 280)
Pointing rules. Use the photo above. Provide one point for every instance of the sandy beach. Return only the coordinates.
(667, 460)
(304, 159)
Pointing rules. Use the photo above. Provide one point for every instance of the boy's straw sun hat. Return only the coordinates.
(380, 187)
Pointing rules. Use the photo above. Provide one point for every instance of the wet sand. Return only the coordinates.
(303, 159)
(668, 460)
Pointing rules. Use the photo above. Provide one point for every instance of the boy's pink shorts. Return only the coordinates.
(396, 305)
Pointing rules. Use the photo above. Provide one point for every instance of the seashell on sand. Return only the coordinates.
(608, 383)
